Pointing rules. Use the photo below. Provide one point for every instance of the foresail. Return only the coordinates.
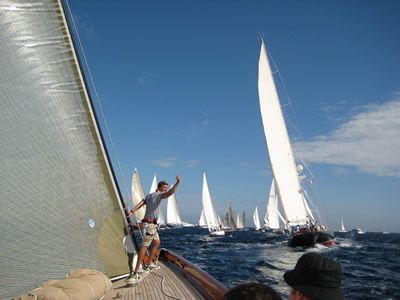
(202, 220)
(271, 217)
(137, 195)
(279, 148)
(60, 206)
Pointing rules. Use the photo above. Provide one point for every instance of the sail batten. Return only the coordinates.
(279, 148)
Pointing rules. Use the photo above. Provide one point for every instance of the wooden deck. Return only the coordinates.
(164, 283)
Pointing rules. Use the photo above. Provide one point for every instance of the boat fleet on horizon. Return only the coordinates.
(289, 207)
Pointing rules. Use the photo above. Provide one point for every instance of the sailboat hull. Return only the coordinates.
(309, 239)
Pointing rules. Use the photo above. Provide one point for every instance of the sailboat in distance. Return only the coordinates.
(214, 227)
(256, 219)
(299, 221)
(342, 229)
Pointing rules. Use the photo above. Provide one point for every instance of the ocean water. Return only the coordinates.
(370, 262)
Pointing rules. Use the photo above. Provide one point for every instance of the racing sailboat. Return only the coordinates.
(302, 226)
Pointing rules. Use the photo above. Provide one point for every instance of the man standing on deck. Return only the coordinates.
(150, 232)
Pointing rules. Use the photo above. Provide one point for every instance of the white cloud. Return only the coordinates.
(369, 141)
(192, 163)
(165, 162)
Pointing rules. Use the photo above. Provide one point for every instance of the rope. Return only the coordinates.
(163, 288)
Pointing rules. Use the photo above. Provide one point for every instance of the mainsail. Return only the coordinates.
(60, 205)
(279, 148)
(138, 195)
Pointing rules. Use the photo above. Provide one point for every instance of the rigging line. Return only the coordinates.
(99, 104)
(281, 81)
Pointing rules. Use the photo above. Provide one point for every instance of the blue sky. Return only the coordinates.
(177, 81)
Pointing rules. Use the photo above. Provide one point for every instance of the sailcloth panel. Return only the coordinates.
(278, 144)
(59, 207)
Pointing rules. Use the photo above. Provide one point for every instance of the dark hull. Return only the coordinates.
(309, 239)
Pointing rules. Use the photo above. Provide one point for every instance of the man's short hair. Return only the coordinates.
(161, 183)
(252, 291)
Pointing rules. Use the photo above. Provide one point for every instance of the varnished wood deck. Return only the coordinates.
(164, 283)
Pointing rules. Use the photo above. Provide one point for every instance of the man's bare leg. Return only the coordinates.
(156, 244)
(141, 253)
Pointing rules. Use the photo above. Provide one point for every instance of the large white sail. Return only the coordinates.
(208, 207)
(60, 205)
(271, 217)
(279, 148)
(173, 215)
(138, 195)
(256, 219)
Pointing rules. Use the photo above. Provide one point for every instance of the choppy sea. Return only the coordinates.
(370, 262)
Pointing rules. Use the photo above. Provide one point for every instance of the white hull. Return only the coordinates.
(217, 233)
